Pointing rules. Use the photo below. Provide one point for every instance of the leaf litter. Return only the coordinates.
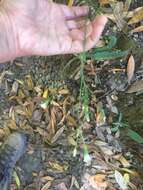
(52, 115)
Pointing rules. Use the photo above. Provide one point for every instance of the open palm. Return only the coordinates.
(42, 27)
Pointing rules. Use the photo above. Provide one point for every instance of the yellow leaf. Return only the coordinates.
(29, 82)
(127, 178)
(130, 68)
(71, 120)
(71, 141)
(21, 94)
(138, 29)
(70, 3)
(45, 94)
(57, 166)
(124, 162)
(132, 172)
(17, 180)
(63, 91)
(137, 17)
(12, 124)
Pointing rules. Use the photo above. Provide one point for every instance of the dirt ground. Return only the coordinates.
(55, 156)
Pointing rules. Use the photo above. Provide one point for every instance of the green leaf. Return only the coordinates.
(135, 136)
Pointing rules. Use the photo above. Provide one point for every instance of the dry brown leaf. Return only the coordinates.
(72, 141)
(138, 29)
(58, 134)
(71, 120)
(119, 16)
(21, 94)
(137, 17)
(56, 166)
(130, 68)
(136, 87)
(105, 2)
(124, 162)
(42, 132)
(63, 91)
(74, 182)
(2, 75)
(104, 147)
(2, 133)
(97, 181)
(29, 82)
(46, 186)
(7, 131)
(12, 124)
(14, 89)
(52, 123)
(127, 5)
(126, 14)
(100, 115)
(47, 178)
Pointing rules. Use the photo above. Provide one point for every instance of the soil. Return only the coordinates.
(56, 160)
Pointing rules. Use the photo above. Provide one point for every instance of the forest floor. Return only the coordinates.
(85, 128)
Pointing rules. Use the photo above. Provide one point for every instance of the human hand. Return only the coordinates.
(41, 27)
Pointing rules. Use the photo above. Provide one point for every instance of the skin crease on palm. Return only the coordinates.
(41, 27)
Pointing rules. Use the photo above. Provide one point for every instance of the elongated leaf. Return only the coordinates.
(135, 136)
(120, 180)
(127, 5)
(70, 3)
(130, 68)
(138, 29)
(17, 180)
(137, 86)
(137, 17)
